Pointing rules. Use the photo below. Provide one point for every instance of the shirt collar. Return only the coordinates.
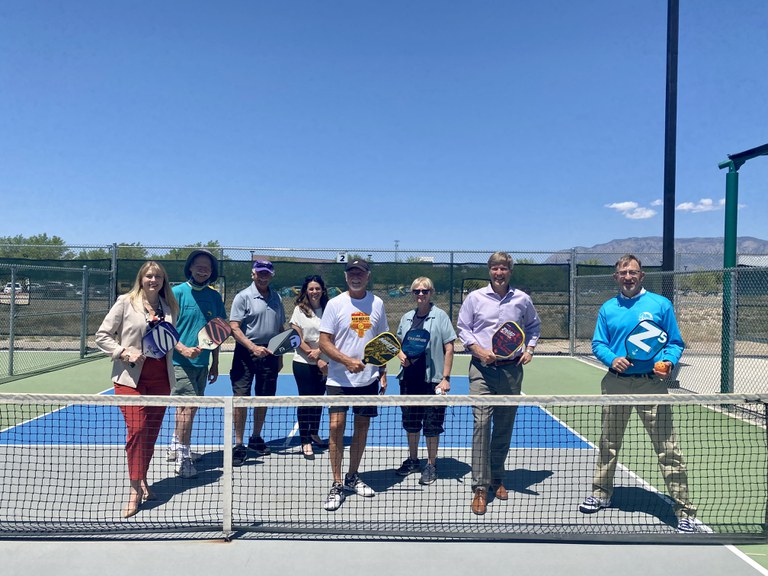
(622, 297)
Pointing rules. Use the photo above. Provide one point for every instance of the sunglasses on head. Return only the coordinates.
(313, 278)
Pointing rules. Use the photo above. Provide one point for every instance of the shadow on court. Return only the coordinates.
(521, 480)
(637, 499)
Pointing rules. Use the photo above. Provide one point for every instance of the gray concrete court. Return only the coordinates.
(81, 490)
(320, 558)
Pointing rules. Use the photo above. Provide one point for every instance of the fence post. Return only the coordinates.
(728, 341)
(113, 277)
(572, 303)
(12, 322)
(84, 313)
(450, 283)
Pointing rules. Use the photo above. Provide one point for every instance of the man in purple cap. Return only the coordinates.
(257, 315)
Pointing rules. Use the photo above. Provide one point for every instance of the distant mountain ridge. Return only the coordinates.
(700, 252)
(650, 244)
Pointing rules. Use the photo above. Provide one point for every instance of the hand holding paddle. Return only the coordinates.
(507, 341)
(159, 340)
(284, 342)
(381, 349)
(213, 334)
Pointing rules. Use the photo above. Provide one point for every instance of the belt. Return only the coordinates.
(649, 375)
(498, 362)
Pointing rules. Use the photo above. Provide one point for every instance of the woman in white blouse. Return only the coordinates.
(309, 368)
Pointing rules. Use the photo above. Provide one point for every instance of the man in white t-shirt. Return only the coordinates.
(350, 321)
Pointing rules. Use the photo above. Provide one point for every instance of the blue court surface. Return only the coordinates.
(104, 425)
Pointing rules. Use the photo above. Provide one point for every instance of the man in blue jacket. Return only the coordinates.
(617, 318)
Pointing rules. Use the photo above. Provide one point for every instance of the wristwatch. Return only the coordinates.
(447, 378)
(530, 350)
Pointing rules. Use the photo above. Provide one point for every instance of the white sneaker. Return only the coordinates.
(593, 504)
(185, 468)
(352, 483)
(335, 497)
(172, 454)
(692, 526)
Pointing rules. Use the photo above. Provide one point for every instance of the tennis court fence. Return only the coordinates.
(63, 471)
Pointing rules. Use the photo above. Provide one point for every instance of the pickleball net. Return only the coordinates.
(63, 471)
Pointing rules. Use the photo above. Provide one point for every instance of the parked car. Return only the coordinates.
(9, 288)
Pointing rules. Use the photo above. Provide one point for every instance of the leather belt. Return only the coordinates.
(649, 375)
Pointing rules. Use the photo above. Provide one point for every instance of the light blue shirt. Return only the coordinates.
(260, 318)
(620, 315)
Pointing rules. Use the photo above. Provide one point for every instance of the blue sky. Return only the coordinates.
(340, 124)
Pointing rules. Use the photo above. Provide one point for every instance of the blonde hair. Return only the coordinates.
(423, 280)
(500, 258)
(135, 294)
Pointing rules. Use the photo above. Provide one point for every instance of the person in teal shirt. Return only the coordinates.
(193, 366)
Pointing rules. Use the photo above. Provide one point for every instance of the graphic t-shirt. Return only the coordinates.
(352, 323)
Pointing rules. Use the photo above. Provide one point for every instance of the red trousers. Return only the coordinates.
(143, 422)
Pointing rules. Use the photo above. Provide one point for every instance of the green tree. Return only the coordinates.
(133, 251)
(95, 254)
(183, 252)
(36, 247)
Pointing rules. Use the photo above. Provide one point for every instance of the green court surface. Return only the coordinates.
(544, 376)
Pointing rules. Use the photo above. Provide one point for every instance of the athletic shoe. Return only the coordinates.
(352, 483)
(692, 526)
(410, 465)
(335, 497)
(257, 444)
(239, 455)
(185, 468)
(429, 475)
(592, 504)
(173, 447)
(172, 454)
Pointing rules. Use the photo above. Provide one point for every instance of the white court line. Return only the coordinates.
(747, 559)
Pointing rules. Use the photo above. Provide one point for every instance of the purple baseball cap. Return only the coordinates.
(263, 266)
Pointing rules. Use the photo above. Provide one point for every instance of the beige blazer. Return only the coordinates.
(123, 327)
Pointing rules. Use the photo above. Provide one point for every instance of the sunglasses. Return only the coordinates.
(418, 291)
(313, 278)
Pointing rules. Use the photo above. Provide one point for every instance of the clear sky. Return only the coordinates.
(341, 124)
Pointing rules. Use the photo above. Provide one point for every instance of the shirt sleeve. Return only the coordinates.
(601, 340)
(675, 345)
(237, 314)
(465, 321)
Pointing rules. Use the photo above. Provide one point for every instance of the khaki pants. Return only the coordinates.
(492, 424)
(660, 427)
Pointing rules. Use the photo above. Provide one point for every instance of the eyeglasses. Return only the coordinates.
(418, 292)
(630, 273)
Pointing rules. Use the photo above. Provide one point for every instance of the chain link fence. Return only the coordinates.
(49, 315)
(722, 315)
(57, 304)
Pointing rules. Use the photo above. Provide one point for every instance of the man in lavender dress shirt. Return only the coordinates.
(482, 312)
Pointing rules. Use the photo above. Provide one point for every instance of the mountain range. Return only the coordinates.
(696, 253)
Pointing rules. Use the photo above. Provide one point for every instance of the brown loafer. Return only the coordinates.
(501, 493)
(479, 501)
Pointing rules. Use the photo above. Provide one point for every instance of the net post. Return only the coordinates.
(226, 479)
(765, 425)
